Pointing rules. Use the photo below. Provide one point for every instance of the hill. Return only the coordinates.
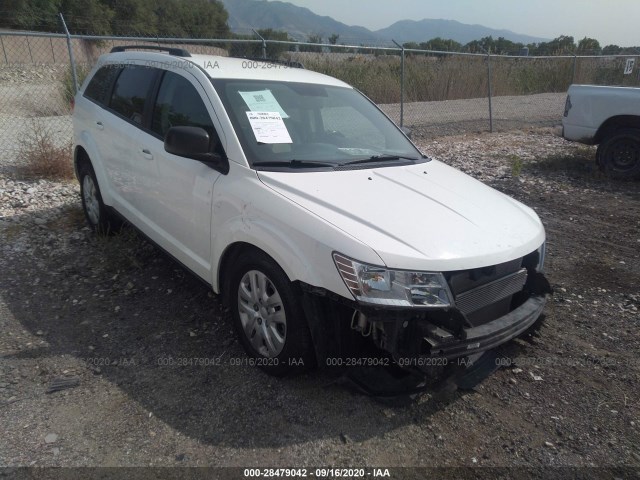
(423, 30)
(301, 22)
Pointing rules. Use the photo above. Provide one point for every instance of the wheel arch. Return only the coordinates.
(233, 252)
(80, 157)
(616, 123)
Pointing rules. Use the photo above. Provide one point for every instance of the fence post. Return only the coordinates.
(53, 53)
(29, 47)
(573, 73)
(490, 92)
(264, 44)
(4, 51)
(74, 73)
(401, 83)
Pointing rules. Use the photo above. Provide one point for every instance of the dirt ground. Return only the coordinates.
(152, 362)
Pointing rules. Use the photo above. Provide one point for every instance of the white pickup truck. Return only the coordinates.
(610, 118)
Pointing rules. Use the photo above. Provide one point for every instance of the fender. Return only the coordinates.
(262, 235)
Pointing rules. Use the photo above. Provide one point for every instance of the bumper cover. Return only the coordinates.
(491, 334)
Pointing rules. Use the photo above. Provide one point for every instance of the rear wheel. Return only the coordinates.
(268, 316)
(95, 211)
(619, 153)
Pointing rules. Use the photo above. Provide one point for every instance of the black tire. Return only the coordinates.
(268, 316)
(619, 154)
(96, 212)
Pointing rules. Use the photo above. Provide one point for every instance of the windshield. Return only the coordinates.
(293, 125)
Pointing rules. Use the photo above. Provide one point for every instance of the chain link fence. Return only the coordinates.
(433, 93)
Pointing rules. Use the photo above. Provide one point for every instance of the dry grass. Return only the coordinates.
(67, 87)
(451, 77)
(41, 157)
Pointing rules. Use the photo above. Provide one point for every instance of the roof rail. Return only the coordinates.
(288, 63)
(177, 52)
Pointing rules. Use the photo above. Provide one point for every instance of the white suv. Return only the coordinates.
(314, 217)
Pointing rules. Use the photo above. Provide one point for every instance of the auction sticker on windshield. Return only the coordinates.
(268, 127)
(263, 101)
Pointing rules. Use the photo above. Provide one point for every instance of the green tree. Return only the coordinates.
(29, 15)
(588, 46)
(203, 19)
(612, 50)
(178, 18)
(562, 45)
(313, 38)
(254, 50)
(442, 45)
(86, 16)
(133, 17)
(411, 45)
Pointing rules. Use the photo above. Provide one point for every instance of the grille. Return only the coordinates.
(491, 292)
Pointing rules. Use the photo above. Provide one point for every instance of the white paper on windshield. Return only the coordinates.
(268, 127)
(262, 101)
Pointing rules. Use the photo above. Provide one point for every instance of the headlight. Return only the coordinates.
(396, 288)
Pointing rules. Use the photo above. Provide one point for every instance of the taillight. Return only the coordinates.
(567, 106)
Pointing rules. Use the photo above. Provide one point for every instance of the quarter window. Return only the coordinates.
(130, 92)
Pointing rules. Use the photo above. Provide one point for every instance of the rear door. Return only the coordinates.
(92, 114)
(128, 102)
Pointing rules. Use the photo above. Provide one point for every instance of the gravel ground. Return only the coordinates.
(455, 117)
(114, 318)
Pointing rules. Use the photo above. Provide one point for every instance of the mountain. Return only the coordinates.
(423, 30)
(300, 22)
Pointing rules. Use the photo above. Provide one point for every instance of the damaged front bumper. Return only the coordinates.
(403, 334)
(442, 344)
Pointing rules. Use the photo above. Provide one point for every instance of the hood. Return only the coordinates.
(427, 216)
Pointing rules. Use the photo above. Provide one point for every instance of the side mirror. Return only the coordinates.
(406, 131)
(194, 143)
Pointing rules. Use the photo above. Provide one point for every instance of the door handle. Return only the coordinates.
(99, 126)
(146, 153)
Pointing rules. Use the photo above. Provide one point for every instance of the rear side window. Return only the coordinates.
(131, 90)
(100, 85)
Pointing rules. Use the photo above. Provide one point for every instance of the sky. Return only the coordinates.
(608, 21)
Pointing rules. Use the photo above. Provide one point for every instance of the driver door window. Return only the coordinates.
(179, 104)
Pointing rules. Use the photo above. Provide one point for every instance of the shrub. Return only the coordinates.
(41, 157)
(67, 88)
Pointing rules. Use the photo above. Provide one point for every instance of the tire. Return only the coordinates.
(96, 212)
(268, 316)
(619, 154)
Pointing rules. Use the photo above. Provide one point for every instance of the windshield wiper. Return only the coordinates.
(380, 158)
(294, 163)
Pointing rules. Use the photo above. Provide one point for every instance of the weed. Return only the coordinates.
(67, 88)
(11, 231)
(516, 165)
(41, 157)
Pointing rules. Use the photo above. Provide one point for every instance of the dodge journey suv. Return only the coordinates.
(305, 208)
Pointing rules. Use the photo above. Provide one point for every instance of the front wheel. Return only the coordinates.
(619, 153)
(268, 316)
